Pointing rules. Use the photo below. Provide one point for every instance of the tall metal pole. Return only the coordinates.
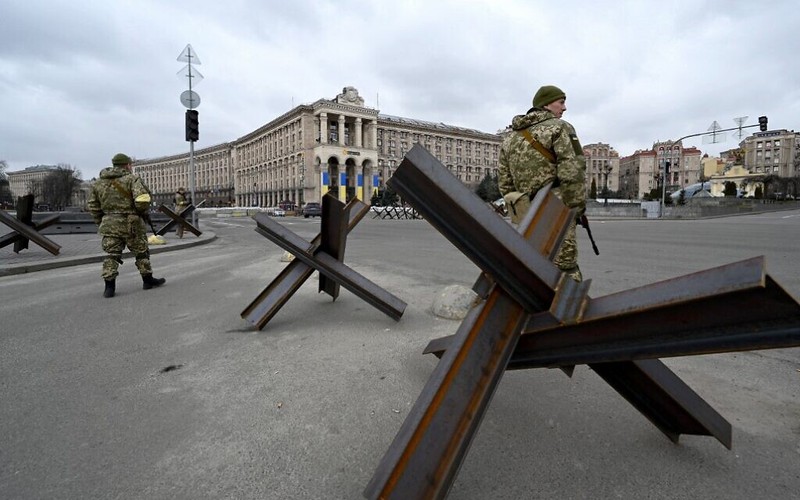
(191, 150)
(191, 100)
(191, 181)
(663, 184)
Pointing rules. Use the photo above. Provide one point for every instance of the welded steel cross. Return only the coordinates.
(178, 218)
(325, 253)
(24, 229)
(532, 315)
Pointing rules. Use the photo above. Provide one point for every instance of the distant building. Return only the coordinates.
(332, 145)
(602, 165)
(25, 181)
(774, 152)
(711, 166)
(746, 182)
(682, 165)
(638, 173)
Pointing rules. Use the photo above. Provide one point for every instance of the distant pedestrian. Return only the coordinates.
(119, 202)
(542, 149)
(181, 202)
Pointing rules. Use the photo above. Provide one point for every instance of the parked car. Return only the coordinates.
(312, 209)
(287, 205)
(275, 211)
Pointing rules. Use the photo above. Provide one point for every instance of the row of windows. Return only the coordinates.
(284, 140)
(425, 139)
(391, 150)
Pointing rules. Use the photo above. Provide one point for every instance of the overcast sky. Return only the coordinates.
(81, 81)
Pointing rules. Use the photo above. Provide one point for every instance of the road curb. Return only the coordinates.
(58, 262)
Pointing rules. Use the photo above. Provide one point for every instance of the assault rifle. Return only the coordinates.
(583, 221)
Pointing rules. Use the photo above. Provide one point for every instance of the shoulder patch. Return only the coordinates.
(576, 144)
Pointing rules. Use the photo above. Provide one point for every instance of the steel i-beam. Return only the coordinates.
(25, 229)
(328, 265)
(424, 457)
(296, 272)
(178, 219)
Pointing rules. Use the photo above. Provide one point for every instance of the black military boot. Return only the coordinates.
(149, 282)
(111, 286)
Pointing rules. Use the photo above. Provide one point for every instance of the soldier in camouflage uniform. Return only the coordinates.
(525, 167)
(180, 203)
(118, 202)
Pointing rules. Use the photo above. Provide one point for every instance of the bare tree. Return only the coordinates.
(57, 187)
(5, 190)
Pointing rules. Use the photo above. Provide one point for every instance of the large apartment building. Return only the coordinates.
(602, 168)
(25, 181)
(644, 170)
(774, 152)
(638, 173)
(333, 145)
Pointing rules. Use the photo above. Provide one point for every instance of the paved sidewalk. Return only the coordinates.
(82, 248)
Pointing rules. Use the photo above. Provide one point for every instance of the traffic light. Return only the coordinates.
(192, 125)
(762, 123)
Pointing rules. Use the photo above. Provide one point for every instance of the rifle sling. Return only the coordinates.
(538, 145)
(124, 192)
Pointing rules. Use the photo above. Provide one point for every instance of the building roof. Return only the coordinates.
(35, 168)
(429, 125)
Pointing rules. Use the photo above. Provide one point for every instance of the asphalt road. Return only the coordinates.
(169, 393)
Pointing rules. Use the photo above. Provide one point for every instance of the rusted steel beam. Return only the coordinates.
(267, 304)
(735, 307)
(178, 218)
(24, 232)
(296, 272)
(664, 399)
(476, 230)
(14, 236)
(333, 229)
(424, 457)
(332, 268)
(729, 308)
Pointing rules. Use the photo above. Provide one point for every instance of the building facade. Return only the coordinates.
(333, 145)
(774, 152)
(23, 182)
(602, 168)
(682, 165)
(213, 175)
(638, 173)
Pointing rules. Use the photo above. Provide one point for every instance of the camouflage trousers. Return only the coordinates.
(567, 257)
(115, 245)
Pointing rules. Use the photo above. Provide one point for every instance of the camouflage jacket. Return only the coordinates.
(180, 201)
(524, 169)
(117, 202)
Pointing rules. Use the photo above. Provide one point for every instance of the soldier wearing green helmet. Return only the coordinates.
(542, 148)
(118, 202)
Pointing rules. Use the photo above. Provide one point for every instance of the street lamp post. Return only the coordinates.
(664, 163)
(607, 168)
(762, 125)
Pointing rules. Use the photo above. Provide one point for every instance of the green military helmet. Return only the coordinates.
(121, 159)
